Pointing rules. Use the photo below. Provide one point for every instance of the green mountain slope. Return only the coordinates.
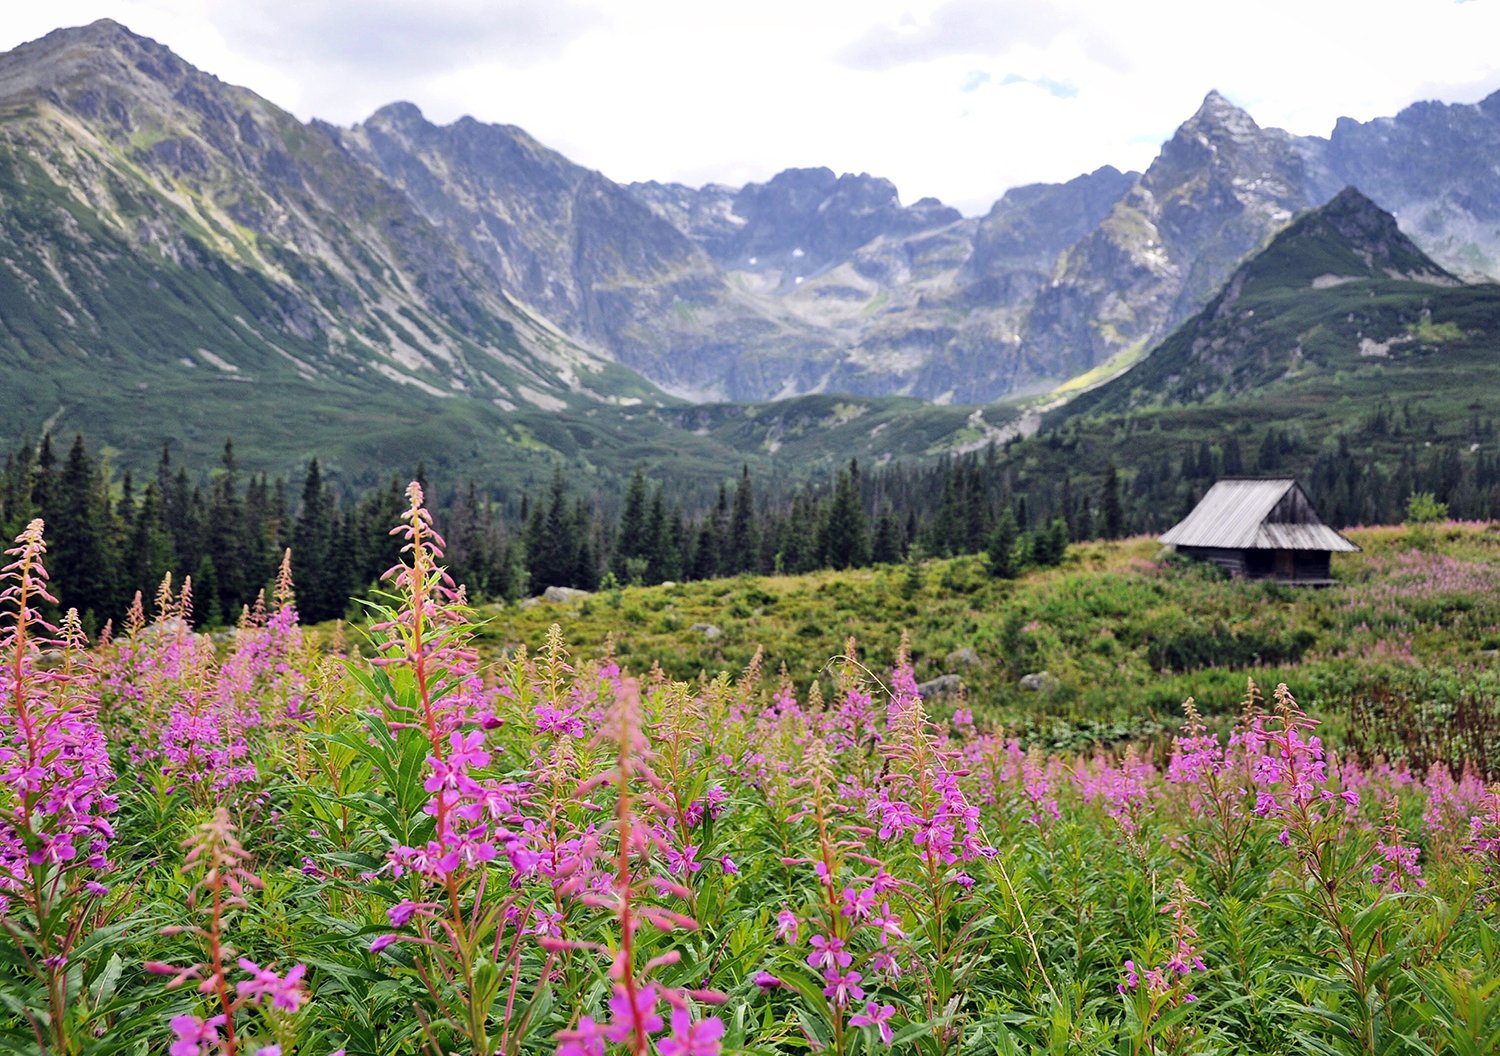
(181, 260)
(1339, 353)
(178, 253)
(1340, 289)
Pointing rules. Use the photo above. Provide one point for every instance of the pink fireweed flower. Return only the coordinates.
(194, 1035)
(786, 926)
(587, 1039)
(629, 1018)
(712, 802)
(402, 912)
(888, 923)
(828, 953)
(692, 1039)
(841, 989)
(885, 962)
(1132, 979)
(1196, 753)
(878, 1016)
(1292, 764)
(286, 992)
(1398, 869)
(683, 862)
(55, 773)
(857, 904)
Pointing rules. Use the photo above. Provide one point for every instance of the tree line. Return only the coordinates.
(110, 537)
(1020, 503)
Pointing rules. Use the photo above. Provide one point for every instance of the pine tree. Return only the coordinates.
(585, 571)
(633, 540)
(705, 563)
(81, 560)
(44, 480)
(148, 552)
(552, 543)
(1114, 519)
(845, 541)
(1049, 544)
(312, 551)
(947, 530)
(1002, 546)
(661, 552)
(226, 543)
(886, 548)
(743, 544)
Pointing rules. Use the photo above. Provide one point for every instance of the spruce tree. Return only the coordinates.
(743, 545)
(81, 559)
(633, 536)
(845, 539)
(886, 548)
(661, 551)
(1002, 545)
(226, 543)
(148, 552)
(1114, 518)
(312, 546)
(552, 542)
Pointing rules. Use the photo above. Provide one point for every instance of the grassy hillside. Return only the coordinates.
(1409, 633)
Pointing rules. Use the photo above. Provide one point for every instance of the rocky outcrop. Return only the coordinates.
(471, 259)
(313, 259)
(1434, 166)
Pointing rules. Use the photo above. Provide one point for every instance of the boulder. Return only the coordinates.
(942, 686)
(563, 594)
(1040, 681)
(963, 657)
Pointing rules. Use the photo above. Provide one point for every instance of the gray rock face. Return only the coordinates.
(564, 594)
(311, 257)
(470, 258)
(1434, 166)
(584, 251)
(1029, 226)
(963, 656)
(1040, 681)
(1240, 339)
(1219, 186)
(942, 686)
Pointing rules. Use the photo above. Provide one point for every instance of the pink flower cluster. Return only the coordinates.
(55, 773)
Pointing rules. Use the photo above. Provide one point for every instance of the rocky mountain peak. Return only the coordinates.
(1219, 119)
(1490, 105)
(1355, 216)
(1350, 237)
(100, 53)
(399, 113)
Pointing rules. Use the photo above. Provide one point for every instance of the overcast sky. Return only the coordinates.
(957, 99)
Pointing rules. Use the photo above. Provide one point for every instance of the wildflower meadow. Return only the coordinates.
(374, 843)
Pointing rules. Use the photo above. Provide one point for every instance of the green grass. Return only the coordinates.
(1127, 635)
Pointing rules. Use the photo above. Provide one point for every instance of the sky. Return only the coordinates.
(954, 99)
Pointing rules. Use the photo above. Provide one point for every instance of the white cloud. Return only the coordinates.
(958, 99)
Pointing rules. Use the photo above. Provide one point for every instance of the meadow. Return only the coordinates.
(1406, 644)
(452, 832)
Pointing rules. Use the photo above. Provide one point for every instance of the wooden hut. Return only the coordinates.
(1260, 529)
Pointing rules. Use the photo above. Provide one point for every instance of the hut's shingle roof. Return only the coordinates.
(1235, 515)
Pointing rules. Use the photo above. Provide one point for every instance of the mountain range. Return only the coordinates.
(1339, 353)
(171, 245)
